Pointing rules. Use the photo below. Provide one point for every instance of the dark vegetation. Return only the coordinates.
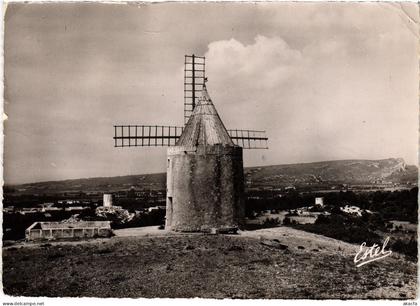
(268, 223)
(370, 227)
(408, 248)
(146, 218)
(391, 205)
(346, 228)
(15, 224)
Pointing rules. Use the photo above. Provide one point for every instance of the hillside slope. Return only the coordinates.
(351, 172)
(273, 263)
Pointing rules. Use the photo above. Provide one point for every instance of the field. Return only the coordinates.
(271, 263)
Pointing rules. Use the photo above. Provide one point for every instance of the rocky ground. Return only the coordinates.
(281, 263)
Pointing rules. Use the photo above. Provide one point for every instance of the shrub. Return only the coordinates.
(271, 222)
(408, 248)
(342, 227)
(286, 221)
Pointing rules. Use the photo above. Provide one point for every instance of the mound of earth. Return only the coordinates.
(280, 263)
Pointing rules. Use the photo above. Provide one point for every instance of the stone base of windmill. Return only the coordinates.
(206, 230)
(205, 189)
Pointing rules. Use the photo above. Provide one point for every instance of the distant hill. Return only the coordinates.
(350, 172)
(320, 174)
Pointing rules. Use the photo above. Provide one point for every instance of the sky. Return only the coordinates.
(327, 81)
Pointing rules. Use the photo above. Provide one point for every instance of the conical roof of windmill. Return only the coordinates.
(204, 126)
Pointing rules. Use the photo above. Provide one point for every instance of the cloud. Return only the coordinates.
(265, 64)
(330, 99)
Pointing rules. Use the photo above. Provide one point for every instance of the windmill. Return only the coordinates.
(205, 183)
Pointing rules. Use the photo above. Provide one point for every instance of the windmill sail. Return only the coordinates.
(249, 139)
(167, 136)
(197, 106)
(194, 79)
(146, 135)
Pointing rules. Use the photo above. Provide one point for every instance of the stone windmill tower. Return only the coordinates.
(205, 180)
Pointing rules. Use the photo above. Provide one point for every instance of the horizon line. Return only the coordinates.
(152, 173)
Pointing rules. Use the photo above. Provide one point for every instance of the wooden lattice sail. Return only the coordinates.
(196, 100)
